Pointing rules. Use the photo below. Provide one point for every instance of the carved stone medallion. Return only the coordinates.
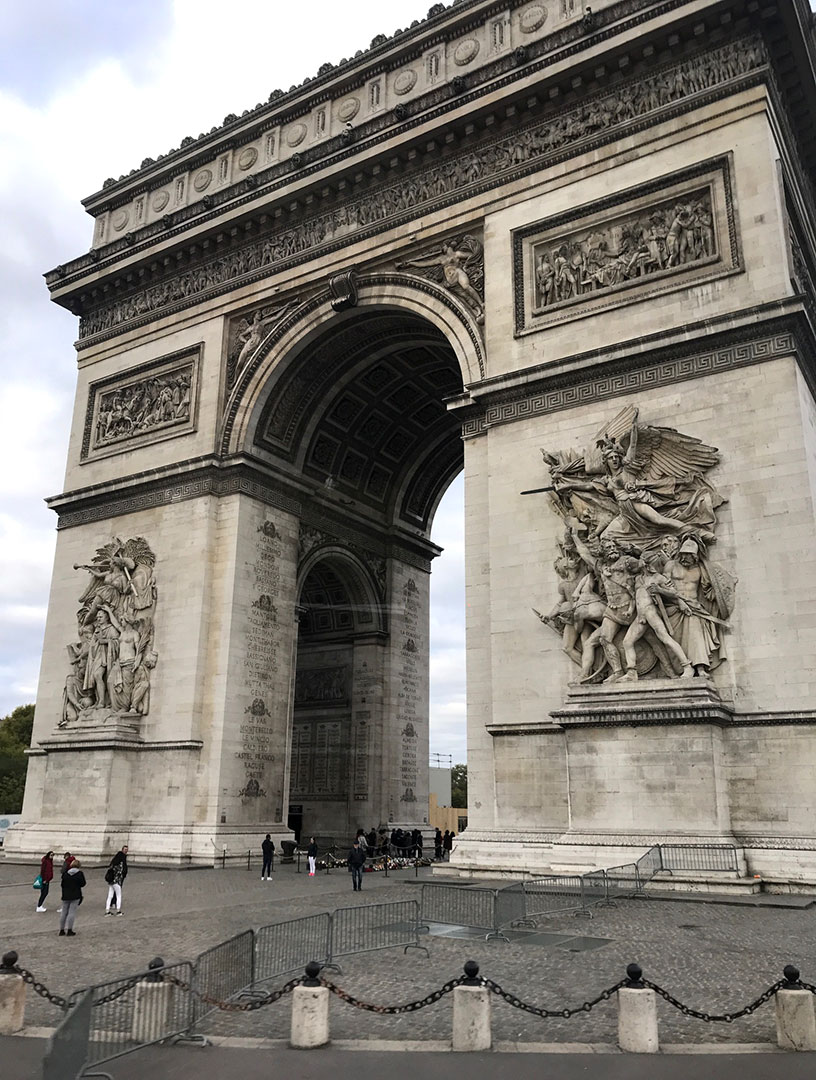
(203, 180)
(160, 200)
(296, 134)
(247, 158)
(405, 81)
(465, 52)
(533, 18)
(348, 109)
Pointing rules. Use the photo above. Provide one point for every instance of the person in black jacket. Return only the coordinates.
(438, 846)
(73, 882)
(268, 849)
(311, 852)
(356, 862)
(115, 876)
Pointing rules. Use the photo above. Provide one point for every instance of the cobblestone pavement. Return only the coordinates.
(713, 957)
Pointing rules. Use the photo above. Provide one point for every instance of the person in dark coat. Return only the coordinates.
(66, 862)
(115, 876)
(311, 852)
(46, 876)
(356, 862)
(438, 846)
(73, 882)
(372, 841)
(268, 849)
(447, 843)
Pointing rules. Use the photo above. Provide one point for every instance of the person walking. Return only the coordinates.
(115, 876)
(438, 846)
(73, 882)
(46, 877)
(311, 852)
(356, 862)
(268, 849)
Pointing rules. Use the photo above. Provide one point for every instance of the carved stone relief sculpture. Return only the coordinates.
(666, 236)
(113, 657)
(128, 411)
(458, 265)
(638, 593)
(247, 333)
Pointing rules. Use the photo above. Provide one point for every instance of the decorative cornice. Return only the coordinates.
(204, 477)
(102, 742)
(475, 171)
(586, 381)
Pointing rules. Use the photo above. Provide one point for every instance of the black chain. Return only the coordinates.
(712, 1018)
(234, 1006)
(806, 986)
(549, 1014)
(394, 1010)
(40, 988)
(117, 993)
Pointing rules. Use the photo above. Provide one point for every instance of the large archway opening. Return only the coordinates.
(360, 414)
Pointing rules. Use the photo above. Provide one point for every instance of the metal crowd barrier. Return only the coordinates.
(708, 857)
(373, 927)
(281, 947)
(67, 1051)
(458, 906)
(124, 1015)
(224, 971)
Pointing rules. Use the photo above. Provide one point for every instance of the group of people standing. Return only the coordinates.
(73, 881)
(443, 844)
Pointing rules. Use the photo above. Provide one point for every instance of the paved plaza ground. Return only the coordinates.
(715, 957)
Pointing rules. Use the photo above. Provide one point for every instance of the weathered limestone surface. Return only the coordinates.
(591, 234)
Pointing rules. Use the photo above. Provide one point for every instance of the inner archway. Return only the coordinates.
(360, 414)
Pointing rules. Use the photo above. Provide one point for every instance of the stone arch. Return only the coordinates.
(359, 574)
(315, 316)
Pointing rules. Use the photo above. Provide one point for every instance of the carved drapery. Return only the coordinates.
(638, 592)
(113, 657)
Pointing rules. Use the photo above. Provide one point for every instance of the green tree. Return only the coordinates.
(15, 739)
(459, 786)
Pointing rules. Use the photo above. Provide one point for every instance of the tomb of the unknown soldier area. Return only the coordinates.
(568, 251)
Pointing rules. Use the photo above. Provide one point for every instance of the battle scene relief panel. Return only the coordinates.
(640, 242)
(149, 403)
(639, 593)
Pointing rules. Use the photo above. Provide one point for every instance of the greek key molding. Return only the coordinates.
(628, 376)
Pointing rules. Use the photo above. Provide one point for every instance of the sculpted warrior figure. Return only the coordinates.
(112, 661)
(635, 578)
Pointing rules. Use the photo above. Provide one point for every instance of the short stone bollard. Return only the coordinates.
(310, 1012)
(795, 1018)
(637, 1015)
(12, 996)
(153, 1006)
(471, 1012)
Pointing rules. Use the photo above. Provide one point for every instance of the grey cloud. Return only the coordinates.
(38, 56)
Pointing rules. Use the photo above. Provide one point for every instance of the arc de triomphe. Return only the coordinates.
(511, 228)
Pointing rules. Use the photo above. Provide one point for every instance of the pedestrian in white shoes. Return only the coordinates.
(268, 849)
(311, 852)
(115, 876)
(46, 877)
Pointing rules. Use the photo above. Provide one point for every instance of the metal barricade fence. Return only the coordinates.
(458, 906)
(225, 970)
(510, 907)
(129, 1013)
(67, 1052)
(286, 946)
(553, 895)
(708, 857)
(649, 864)
(622, 882)
(376, 926)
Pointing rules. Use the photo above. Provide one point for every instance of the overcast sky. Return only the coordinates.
(88, 88)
